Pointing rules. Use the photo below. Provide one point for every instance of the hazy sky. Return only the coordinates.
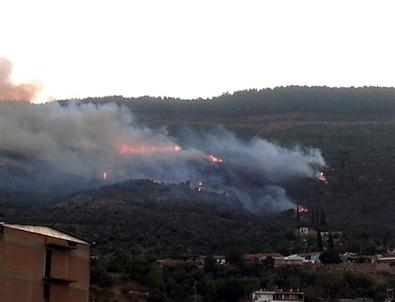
(197, 48)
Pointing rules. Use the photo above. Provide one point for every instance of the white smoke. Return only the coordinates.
(84, 140)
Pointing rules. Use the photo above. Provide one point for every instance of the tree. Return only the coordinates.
(155, 276)
(210, 265)
(323, 220)
(227, 290)
(157, 296)
(297, 213)
(313, 216)
(319, 241)
(235, 256)
(268, 262)
(330, 257)
(330, 241)
(100, 276)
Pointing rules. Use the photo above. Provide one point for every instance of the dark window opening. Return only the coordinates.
(72, 243)
(48, 263)
(46, 292)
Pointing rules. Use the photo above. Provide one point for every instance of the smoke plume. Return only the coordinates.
(15, 92)
(87, 142)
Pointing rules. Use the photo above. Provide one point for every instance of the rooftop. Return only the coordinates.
(45, 230)
(278, 291)
(261, 256)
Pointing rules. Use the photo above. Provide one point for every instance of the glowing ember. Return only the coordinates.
(143, 149)
(322, 177)
(149, 149)
(214, 159)
(302, 210)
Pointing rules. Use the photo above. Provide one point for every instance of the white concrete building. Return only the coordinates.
(277, 295)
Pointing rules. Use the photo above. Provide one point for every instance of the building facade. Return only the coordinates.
(42, 264)
(277, 296)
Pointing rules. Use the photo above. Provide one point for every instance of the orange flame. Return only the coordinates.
(302, 210)
(148, 149)
(143, 149)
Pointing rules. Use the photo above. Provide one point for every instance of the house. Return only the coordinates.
(40, 263)
(390, 295)
(390, 259)
(290, 260)
(305, 231)
(311, 258)
(219, 259)
(355, 258)
(336, 238)
(198, 261)
(261, 257)
(387, 260)
(309, 232)
(175, 262)
(277, 295)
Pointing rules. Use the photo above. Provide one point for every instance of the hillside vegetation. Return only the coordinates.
(354, 128)
(163, 220)
(138, 221)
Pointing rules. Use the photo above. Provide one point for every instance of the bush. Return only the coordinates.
(330, 257)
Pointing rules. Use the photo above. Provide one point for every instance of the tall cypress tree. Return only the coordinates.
(318, 216)
(331, 244)
(313, 216)
(323, 220)
(297, 213)
(320, 246)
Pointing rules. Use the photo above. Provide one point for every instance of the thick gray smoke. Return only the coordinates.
(55, 143)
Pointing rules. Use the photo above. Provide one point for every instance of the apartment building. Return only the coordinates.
(42, 264)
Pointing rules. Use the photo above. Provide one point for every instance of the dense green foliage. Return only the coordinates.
(231, 283)
(331, 256)
(143, 216)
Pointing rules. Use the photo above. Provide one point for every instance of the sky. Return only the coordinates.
(202, 48)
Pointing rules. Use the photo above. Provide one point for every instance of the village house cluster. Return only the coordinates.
(349, 261)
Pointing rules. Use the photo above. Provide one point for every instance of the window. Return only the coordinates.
(48, 262)
(72, 243)
(46, 291)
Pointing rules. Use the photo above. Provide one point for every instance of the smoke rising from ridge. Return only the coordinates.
(10, 91)
(82, 141)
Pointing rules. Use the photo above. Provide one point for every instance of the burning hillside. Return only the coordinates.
(87, 143)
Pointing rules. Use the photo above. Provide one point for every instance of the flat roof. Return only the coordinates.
(278, 291)
(45, 230)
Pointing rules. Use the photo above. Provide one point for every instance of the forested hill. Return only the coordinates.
(292, 99)
(163, 219)
(353, 127)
